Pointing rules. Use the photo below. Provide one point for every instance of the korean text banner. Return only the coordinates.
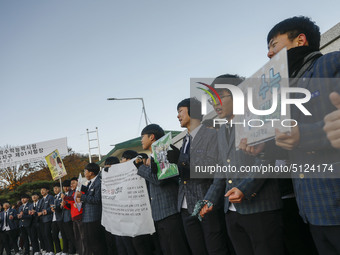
(126, 206)
(30, 153)
(56, 165)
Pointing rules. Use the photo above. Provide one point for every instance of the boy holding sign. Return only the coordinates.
(163, 196)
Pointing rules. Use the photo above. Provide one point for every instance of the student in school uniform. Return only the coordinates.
(9, 228)
(36, 234)
(25, 221)
(46, 215)
(94, 232)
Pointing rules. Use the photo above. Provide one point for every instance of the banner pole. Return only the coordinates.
(61, 186)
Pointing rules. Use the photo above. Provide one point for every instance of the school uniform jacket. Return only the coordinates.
(260, 194)
(26, 219)
(318, 199)
(203, 152)
(46, 205)
(163, 193)
(92, 202)
(13, 224)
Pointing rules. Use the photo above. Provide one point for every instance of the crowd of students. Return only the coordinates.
(222, 215)
(38, 223)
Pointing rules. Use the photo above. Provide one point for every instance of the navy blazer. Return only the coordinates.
(35, 217)
(66, 214)
(92, 202)
(203, 152)
(317, 198)
(46, 205)
(163, 193)
(260, 194)
(57, 207)
(26, 219)
(13, 224)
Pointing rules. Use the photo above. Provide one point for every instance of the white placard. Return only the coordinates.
(126, 206)
(260, 128)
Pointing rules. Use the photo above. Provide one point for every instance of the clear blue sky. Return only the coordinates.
(60, 60)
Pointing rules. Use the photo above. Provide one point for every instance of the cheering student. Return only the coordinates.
(65, 226)
(9, 227)
(252, 205)
(57, 218)
(94, 233)
(317, 198)
(199, 149)
(163, 195)
(25, 220)
(36, 233)
(46, 215)
(71, 203)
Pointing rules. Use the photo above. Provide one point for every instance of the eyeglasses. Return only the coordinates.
(211, 102)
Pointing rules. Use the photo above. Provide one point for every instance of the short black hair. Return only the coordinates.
(35, 194)
(194, 107)
(129, 154)
(153, 129)
(295, 26)
(92, 167)
(25, 196)
(56, 184)
(143, 155)
(58, 160)
(45, 187)
(232, 79)
(111, 161)
(66, 183)
(74, 178)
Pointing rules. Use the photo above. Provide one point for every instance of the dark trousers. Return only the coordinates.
(78, 231)
(1, 245)
(297, 237)
(25, 232)
(35, 236)
(157, 250)
(55, 236)
(110, 243)
(43, 245)
(68, 237)
(171, 236)
(207, 236)
(327, 239)
(125, 245)
(257, 233)
(9, 240)
(94, 235)
(143, 244)
(47, 235)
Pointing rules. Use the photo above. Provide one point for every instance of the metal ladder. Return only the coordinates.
(93, 140)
